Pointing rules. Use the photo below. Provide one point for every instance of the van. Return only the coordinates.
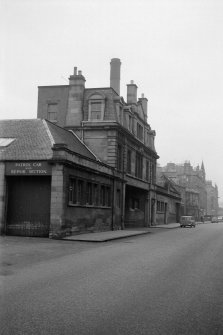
(187, 221)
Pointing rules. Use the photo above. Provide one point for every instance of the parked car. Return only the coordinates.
(214, 219)
(187, 221)
(220, 218)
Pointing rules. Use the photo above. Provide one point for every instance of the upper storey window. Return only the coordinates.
(139, 131)
(96, 108)
(52, 112)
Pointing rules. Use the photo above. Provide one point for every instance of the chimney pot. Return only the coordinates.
(79, 73)
(75, 70)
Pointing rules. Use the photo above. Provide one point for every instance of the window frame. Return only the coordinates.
(96, 99)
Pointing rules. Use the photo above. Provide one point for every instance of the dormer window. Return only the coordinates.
(96, 108)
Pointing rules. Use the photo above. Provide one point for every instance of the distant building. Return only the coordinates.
(212, 199)
(168, 200)
(193, 187)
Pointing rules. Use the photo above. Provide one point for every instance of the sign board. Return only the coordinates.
(37, 168)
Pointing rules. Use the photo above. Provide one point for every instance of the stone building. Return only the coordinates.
(115, 130)
(212, 199)
(168, 200)
(193, 183)
(51, 184)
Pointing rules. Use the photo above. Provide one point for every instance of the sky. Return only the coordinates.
(172, 49)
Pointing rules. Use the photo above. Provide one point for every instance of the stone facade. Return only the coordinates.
(212, 199)
(117, 132)
(192, 180)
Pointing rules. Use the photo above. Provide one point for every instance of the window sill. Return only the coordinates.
(88, 206)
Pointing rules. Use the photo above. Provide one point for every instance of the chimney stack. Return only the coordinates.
(115, 66)
(132, 93)
(75, 98)
(144, 102)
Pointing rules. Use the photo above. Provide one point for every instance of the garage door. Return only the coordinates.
(28, 207)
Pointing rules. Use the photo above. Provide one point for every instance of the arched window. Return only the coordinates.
(96, 107)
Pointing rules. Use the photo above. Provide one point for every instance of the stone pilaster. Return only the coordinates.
(2, 197)
(57, 201)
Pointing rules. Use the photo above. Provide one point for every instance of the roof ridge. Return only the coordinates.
(48, 132)
(84, 145)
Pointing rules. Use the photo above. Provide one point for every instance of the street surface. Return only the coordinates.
(169, 282)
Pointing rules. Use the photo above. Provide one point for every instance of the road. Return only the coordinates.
(167, 282)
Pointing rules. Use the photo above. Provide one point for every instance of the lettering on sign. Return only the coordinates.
(28, 168)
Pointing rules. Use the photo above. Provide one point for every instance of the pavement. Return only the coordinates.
(117, 234)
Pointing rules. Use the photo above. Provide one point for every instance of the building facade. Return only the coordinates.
(115, 130)
(52, 185)
(168, 201)
(193, 187)
(212, 199)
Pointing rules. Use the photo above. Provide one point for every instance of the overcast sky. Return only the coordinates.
(172, 49)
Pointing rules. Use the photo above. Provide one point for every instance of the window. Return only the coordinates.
(96, 194)
(130, 123)
(96, 106)
(119, 157)
(73, 191)
(86, 193)
(147, 170)
(129, 156)
(105, 196)
(5, 141)
(138, 165)
(96, 110)
(139, 131)
(52, 112)
(160, 206)
(89, 193)
(80, 192)
(135, 203)
(153, 174)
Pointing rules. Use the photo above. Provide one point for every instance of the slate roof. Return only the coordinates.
(34, 140)
(61, 135)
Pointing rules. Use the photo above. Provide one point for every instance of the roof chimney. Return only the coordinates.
(115, 66)
(132, 93)
(144, 102)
